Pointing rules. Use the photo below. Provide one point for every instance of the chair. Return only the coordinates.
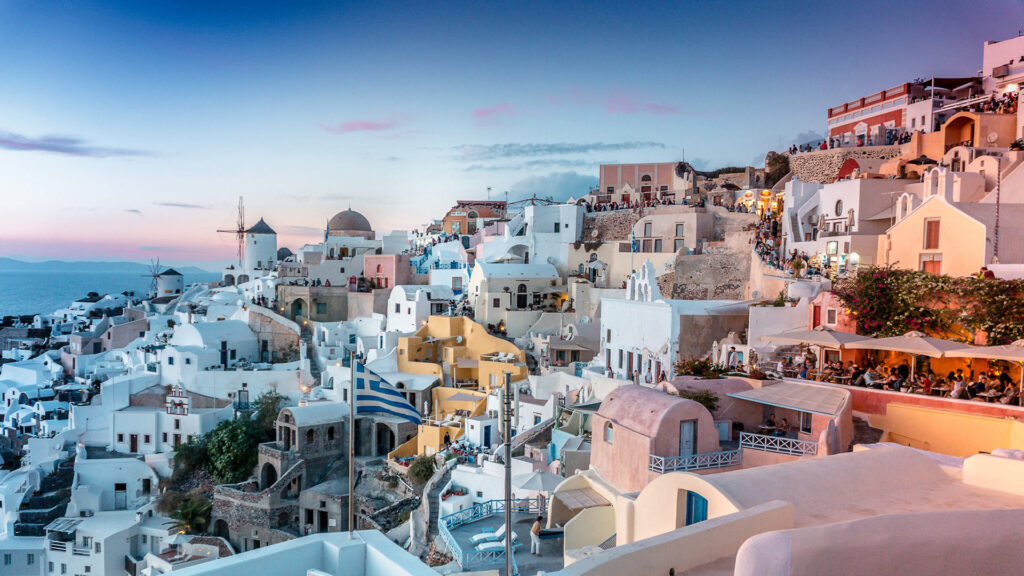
(490, 535)
(497, 545)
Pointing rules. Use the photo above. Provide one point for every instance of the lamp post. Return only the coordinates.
(507, 421)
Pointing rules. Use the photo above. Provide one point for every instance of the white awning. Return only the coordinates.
(803, 397)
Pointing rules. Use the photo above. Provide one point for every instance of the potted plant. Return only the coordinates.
(798, 265)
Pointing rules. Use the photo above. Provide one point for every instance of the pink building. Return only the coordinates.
(636, 428)
(109, 334)
(627, 183)
(388, 270)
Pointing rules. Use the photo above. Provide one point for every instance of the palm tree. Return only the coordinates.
(189, 516)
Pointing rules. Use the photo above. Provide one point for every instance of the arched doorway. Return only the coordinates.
(229, 280)
(385, 440)
(220, 529)
(243, 278)
(268, 475)
(521, 297)
(298, 308)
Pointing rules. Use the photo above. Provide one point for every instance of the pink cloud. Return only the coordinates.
(362, 126)
(628, 105)
(492, 115)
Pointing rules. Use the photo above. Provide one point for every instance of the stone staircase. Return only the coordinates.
(434, 503)
(314, 368)
(48, 504)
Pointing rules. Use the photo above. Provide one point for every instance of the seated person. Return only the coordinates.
(979, 386)
(770, 423)
(1009, 396)
(960, 388)
(783, 430)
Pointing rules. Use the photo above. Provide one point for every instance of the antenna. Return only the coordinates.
(239, 232)
(154, 273)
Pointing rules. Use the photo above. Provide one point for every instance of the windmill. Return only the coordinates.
(239, 232)
(154, 274)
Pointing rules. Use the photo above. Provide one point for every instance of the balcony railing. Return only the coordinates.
(58, 546)
(778, 444)
(725, 458)
(471, 559)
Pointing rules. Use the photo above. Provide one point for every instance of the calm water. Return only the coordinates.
(44, 292)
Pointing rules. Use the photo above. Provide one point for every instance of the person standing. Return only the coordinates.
(535, 536)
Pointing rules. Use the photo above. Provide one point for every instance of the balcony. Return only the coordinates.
(723, 459)
(779, 445)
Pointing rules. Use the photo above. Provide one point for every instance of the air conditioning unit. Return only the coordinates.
(85, 513)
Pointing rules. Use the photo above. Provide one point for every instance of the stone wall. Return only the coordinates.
(722, 271)
(609, 226)
(822, 166)
(280, 334)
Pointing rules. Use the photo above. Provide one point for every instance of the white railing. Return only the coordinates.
(471, 559)
(778, 444)
(725, 458)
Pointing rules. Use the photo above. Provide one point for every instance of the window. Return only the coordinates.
(657, 245)
(647, 246)
(647, 229)
(120, 437)
(620, 359)
(311, 434)
(398, 308)
(830, 316)
(536, 419)
(609, 433)
(145, 539)
(679, 230)
(457, 283)
(49, 567)
(7, 559)
(177, 423)
(146, 439)
(805, 422)
(234, 353)
(558, 226)
(31, 558)
(188, 361)
(610, 190)
(931, 263)
(321, 308)
(88, 569)
(63, 568)
(330, 433)
(839, 208)
(164, 437)
(170, 360)
(678, 244)
(497, 303)
(931, 234)
(832, 248)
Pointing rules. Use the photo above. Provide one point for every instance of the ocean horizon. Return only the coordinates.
(43, 292)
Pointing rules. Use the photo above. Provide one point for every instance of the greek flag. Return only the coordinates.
(374, 395)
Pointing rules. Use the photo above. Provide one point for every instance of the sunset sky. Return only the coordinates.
(129, 130)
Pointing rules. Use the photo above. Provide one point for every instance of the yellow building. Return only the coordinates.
(953, 238)
(461, 353)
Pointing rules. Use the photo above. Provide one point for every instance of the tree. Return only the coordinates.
(421, 470)
(189, 513)
(190, 456)
(268, 405)
(232, 447)
(707, 398)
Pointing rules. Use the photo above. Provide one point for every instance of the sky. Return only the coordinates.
(128, 130)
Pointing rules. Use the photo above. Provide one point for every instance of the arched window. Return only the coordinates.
(310, 436)
(330, 433)
(380, 268)
(609, 433)
(645, 178)
(521, 289)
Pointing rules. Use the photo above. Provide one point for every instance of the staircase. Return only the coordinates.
(48, 504)
(314, 368)
(434, 502)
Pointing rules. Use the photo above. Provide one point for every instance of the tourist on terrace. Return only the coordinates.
(770, 425)
(783, 430)
(960, 389)
(535, 535)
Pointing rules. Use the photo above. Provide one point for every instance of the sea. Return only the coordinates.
(46, 291)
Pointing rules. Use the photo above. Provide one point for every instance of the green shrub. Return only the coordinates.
(705, 397)
(421, 469)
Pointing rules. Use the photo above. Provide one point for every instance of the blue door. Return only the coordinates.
(696, 508)
(487, 436)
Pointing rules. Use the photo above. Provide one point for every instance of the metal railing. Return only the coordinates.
(472, 559)
(725, 458)
(58, 546)
(778, 444)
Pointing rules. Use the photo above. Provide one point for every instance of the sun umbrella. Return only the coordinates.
(913, 343)
(537, 481)
(922, 160)
(819, 336)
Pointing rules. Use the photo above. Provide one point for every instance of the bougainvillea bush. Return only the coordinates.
(887, 301)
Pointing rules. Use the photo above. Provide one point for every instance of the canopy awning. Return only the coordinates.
(911, 343)
(581, 498)
(822, 400)
(819, 336)
(1011, 352)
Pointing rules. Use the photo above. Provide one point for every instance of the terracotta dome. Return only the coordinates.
(349, 223)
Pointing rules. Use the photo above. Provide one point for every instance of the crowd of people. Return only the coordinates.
(1005, 104)
(637, 205)
(986, 385)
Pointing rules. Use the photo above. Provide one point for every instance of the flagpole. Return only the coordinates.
(351, 443)
(507, 418)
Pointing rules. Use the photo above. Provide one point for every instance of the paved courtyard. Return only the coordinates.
(550, 549)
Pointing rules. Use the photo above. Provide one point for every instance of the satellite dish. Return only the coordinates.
(594, 233)
(458, 339)
(992, 137)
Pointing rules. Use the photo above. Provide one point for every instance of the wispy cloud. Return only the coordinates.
(66, 145)
(479, 153)
(558, 186)
(296, 229)
(157, 248)
(615, 102)
(185, 205)
(494, 114)
(365, 125)
(135, 211)
(542, 163)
